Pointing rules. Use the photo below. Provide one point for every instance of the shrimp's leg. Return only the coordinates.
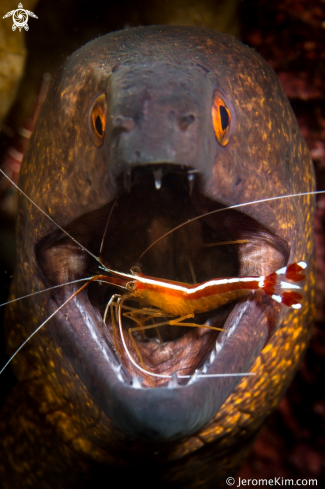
(171, 322)
(110, 306)
(220, 243)
(130, 314)
(151, 313)
(190, 265)
(140, 317)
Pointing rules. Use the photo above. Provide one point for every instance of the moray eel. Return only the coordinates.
(169, 123)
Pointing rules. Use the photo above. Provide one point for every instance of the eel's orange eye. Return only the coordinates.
(221, 119)
(98, 119)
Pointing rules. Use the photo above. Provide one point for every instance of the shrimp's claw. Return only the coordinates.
(282, 285)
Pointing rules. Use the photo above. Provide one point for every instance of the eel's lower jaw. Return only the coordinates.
(168, 412)
(175, 407)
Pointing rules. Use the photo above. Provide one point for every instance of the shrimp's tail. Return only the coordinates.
(282, 285)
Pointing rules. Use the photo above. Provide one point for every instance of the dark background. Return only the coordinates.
(290, 35)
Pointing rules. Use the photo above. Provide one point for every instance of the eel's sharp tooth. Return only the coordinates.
(173, 383)
(193, 378)
(157, 174)
(190, 179)
(136, 382)
(212, 356)
(118, 370)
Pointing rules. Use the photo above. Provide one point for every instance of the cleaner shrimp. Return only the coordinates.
(170, 302)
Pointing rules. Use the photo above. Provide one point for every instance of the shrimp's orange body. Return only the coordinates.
(178, 298)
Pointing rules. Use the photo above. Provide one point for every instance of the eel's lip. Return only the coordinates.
(175, 407)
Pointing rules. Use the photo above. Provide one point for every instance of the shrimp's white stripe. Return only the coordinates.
(277, 298)
(287, 285)
(281, 271)
(224, 281)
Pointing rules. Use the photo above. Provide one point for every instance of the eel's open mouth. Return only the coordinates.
(153, 201)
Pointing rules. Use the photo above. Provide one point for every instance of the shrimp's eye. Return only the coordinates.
(98, 119)
(221, 119)
(131, 286)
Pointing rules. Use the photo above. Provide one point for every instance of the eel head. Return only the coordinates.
(154, 127)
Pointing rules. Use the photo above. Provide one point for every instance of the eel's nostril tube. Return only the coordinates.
(185, 121)
(123, 123)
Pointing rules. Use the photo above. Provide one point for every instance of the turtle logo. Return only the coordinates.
(20, 18)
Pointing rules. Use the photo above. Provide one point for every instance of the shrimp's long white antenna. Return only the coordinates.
(89, 280)
(105, 230)
(45, 290)
(50, 218)
(41, 326)
(236, 206)
(120, 301)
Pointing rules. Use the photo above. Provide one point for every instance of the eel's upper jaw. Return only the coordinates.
(175, 407)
